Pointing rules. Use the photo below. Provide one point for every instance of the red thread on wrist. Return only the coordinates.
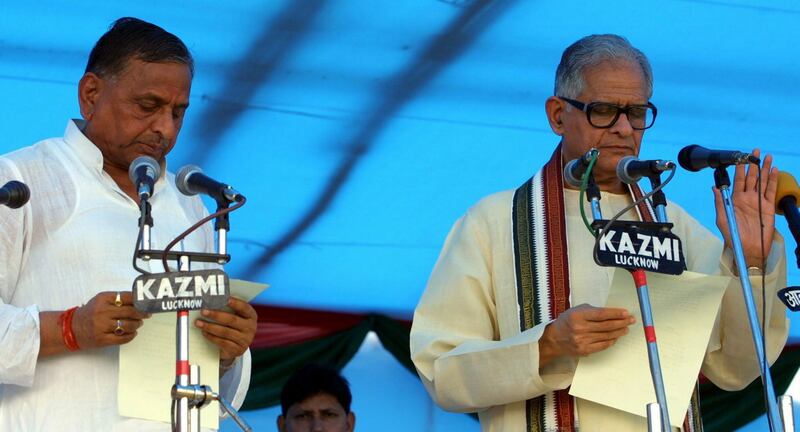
(65, 321)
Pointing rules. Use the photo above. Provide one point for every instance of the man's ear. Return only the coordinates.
(89, 88)
(281, 423)
(554, 107)
(351, 421)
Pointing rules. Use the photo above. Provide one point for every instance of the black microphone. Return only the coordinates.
(694, 158)
(630, 169)
(574, 169)
(191, 181)
(143, 172)
(14, 194)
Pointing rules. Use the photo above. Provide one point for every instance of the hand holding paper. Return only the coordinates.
(231, 332)
(583, 330)
(147, 364)
(684, 310)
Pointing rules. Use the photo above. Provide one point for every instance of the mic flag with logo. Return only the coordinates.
(635, 245)
(188, 290)
(790, 296)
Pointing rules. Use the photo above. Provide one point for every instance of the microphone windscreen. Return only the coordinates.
(182, 179)
(147, 162)
(685, 157)
(15, 194)
(622, 172)
(787, 186)
(569, 178)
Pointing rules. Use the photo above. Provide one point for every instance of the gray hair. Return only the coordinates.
(590, 51)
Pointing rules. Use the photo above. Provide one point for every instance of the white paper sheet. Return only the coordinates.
(684, 310)
(147, 364)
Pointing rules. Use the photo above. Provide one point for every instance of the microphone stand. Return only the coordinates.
(659, 199)
(188, 395)
(723, 182)
(222, 225)
(593, 196)
(657, 413)
(146, 220)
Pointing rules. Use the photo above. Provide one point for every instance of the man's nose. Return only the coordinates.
(622, 126)
(317, 424)
(164, 124)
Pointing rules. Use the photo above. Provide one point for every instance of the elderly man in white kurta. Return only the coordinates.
(516, 298)
(66, 256)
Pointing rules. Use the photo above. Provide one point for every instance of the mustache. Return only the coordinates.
(157, 141)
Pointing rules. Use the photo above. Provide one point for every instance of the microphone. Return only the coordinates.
(191, 181)
(630, 169)
(694, 158)
(788, 193)
(143, 172)
(14, 194)
(786, 199)
(574, 169)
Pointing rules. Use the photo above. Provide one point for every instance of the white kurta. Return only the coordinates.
(466, 341)
(74, 239)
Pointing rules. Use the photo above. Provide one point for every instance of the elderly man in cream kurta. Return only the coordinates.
(467, 341)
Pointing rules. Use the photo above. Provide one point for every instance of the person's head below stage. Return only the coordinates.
(602, 100)
(134, 94)
(316, 398)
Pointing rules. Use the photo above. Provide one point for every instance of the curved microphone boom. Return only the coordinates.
(143, 172)
(191, 181)
(14, 194)
(630, 169)
(574, 169)
(694, 158)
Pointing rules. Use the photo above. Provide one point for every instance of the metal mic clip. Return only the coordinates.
(752, 159)
(742, 158)
(664, 165)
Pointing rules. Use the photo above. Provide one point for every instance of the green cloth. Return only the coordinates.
(721, 410)
(726, 411)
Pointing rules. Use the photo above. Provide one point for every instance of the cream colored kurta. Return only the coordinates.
(466, 341)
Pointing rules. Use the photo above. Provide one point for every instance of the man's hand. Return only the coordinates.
(583, 330)
(94, 323)
(232, 333)
(745, 205)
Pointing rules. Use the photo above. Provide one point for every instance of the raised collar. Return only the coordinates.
(82, 147)
(91, 156)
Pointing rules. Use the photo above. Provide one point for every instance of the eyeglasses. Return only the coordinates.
(604, 115)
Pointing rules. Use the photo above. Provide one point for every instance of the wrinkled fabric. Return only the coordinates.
(466, 341)
(74, 239)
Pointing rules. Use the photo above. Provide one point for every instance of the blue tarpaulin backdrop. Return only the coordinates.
(360, 130)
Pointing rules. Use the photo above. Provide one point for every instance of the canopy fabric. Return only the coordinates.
(288, 338)
(361, 130)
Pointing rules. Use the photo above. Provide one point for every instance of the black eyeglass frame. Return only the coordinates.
(587, 108)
